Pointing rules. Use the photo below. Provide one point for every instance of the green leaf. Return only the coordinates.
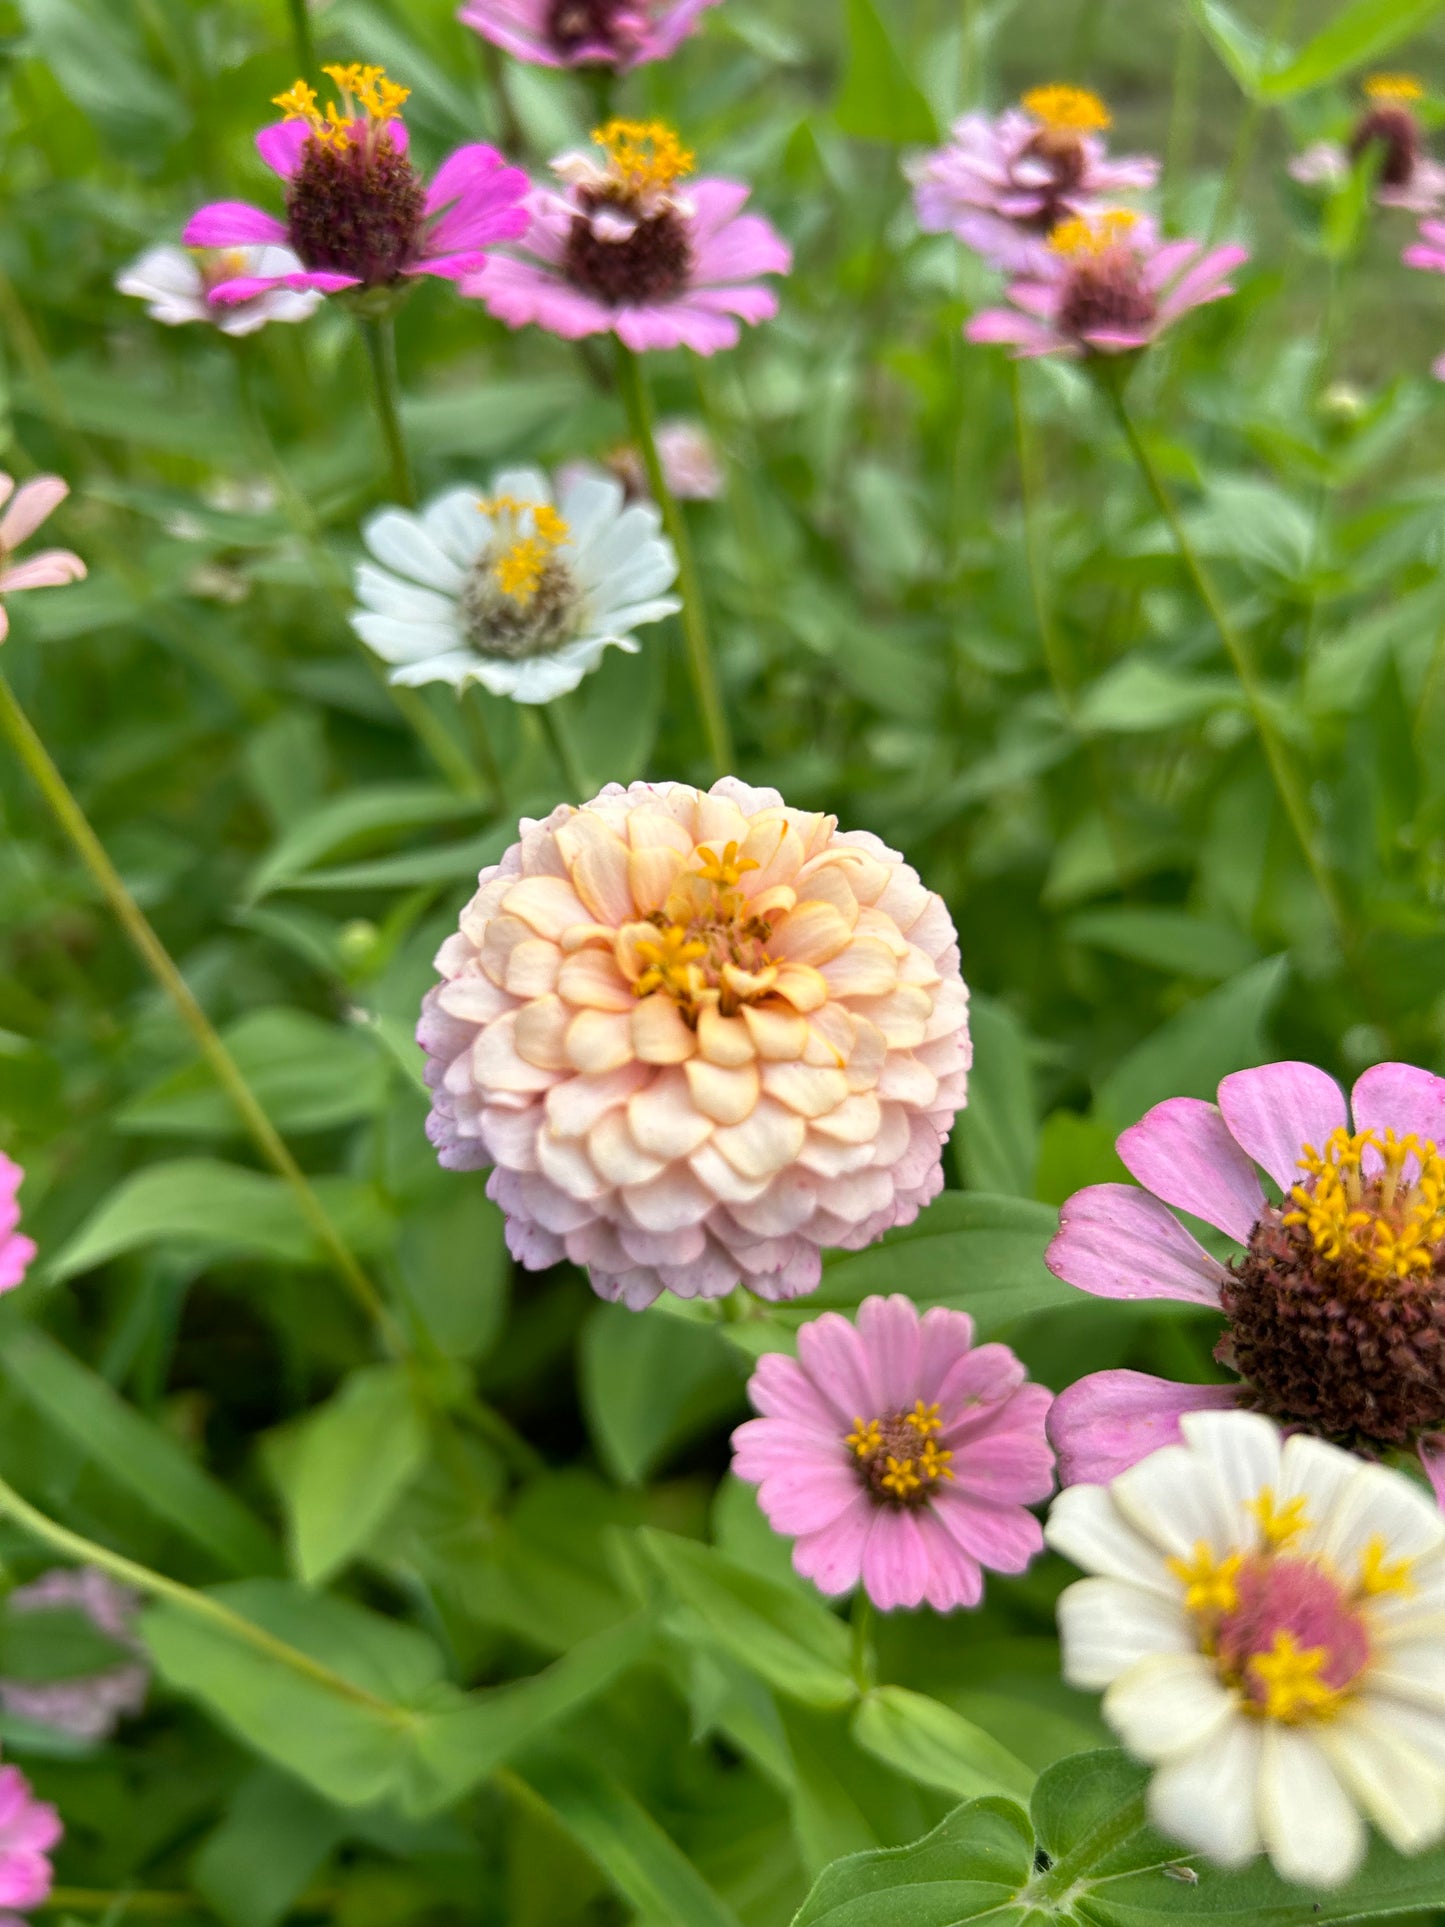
(133, 1452)
(932, 1744)
(347, 1464)
(357, 818)
(997, 1135)
(1187, 1057)
(1361, 33)
(1243, 51)
(974, 1864)
(1171, 940)
(55, 1642)
(789, 1640)
(879, 100)
(649, 1384)
(454, 1263)
(274, 1838)
(1140, 695)
(104, 73)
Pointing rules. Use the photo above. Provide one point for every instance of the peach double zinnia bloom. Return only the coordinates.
(700, 1036)
(1264, 1618)
(50, 568)
(898, 1455)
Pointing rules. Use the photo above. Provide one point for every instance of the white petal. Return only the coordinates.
(392, 595)
(399, 540)
(1167, 1705)
(1208, 1798)
(1107, 1627)
(589, 504)
(397, 641)
(1379, 1504)
(1399, 1787)
(1309, 1825)
(455, 522)
(458, 667)
(1243, 1448)
(1086, 1526)
(1175, 1498)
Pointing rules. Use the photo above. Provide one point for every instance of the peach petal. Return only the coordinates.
(803, 987)
(812, 934)
(541, 1033)
(600, 1040)
(747, 985)
(828, 883)
(832, 1032)
(503, 935)
(873, 923)
(722, 1180)
(664, 1120)
(724, 1040)
(868, 1055)
(670, 1203)
(785, 1207)
(583, 936)
(809, 1091)
(655, 830)
(779, 1034)
(726, 1095)
(497, 1065)
(769, 1138)
(574, 1107)
(777, 849)
(906, 1080)
(592, 981)
(659, 1035)
(867, 968)
(617, 1155)
(831, 1158)
(902, 1015)
(532, 968)
(855, 1121)
(475, 1000)
(651, 874)
(564, 1162)
(600, 878)
(549, 904)
(719, 821)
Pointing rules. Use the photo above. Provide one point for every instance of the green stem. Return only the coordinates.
(379, 334)
(120, 1904)
(303, 39)
(1056, 655)
(564, 751)
(476, 722)
(1287, 781)
(1184, 112)
(706, 688)
(510, 137)
(1243, 155)
(26, 742)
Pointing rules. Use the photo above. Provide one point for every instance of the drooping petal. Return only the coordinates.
(1103, 1424)
(1184, 1153)
(1117, 1242)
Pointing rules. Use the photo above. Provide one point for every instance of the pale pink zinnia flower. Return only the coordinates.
(700, 1037)
(29, 1828)
(33, 501)
(898, 1456)
(92, 1705)
(624, 248)
(358, 214)
(176, 284)
(1334, 1306)
(16, 1251)
(690, 466)
(620, 34)
(1003, 183)
(1389, 128)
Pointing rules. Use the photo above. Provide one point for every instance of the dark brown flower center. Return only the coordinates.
(1061, 151)
(898, 1457)
(356, 208)
(611, 29)
(1105, 293)
(652, 263)
(1394, 130)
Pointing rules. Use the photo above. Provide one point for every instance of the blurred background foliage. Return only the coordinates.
(518, 1501)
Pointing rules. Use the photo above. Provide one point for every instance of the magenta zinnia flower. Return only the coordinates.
(16, 1251)
(1335, 1303)
(1003, 183)
(621, 34)
(358, 215)
(1389, 127)
(29, 1828)
(1111, 286)
(624, 249)
(701, 1037)
(50, 569)
(898, 1455)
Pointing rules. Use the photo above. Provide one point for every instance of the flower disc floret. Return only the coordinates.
(611, 34)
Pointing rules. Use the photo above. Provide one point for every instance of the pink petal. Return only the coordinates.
(280, 145)
(1273, 1112)
(49, 569)
(1012, 329)
(888, 1328)
(245, 287)
(233, 224)
(1168, 261)
(1110, 1420)
(1387, 1097)
(986, 1375)
(809, 1497)
(1432, 1456)
(955, 1576)
(1431, 259)
(780, 1388)
(1182, 1151)
(895, 1560)
(833, 1558)
(1005, 1457)
(1004, 1538)
(37, 499)
(475, 198)
(16, 1256)
(836, 1361)
(741, 251)
(945, 1341)
(1118, 1242)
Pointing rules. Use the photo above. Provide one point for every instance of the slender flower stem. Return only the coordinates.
(633, 382)
(303, 39)
(564, 751)
(26, 742)
(475, 719)
(1243, 155)
(122, 1903)
(504, 109)
(1287, 780)
(1056, 654)
(379, 334)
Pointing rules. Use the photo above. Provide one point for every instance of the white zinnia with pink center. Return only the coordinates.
(701, 1037)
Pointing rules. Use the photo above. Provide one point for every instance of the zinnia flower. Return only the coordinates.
(358, 215)
(1003, 183)
(92, 1705)
(621, 34)
(1110, 286)
(518, 590)
(33, 501)
(700, 1036)
(16, 1251)
(176, 284)
(1335, 1305)
(898, 1456)
(1408, 178)
(29, 1828)
(624, 249)
(1265, 1621)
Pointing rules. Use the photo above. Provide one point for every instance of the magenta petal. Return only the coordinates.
(1278, 1109)
(1392, 1097)
(1182, 1151)
(233, 224)
(1111, 1420)
(280, 145)
(1118, 1242)
(1432, 1456)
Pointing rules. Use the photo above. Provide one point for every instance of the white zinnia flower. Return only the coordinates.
(175, 284)
(516, 590)
(1266, 1620)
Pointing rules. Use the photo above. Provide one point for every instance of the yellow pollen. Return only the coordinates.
(1279, 1523)
(1093, 234)
(1068, 110)
(865, 1438)
(643, 154)
(364, 87)
(1380, 1575)
(1290, 1675)
(669, 965)
(519, 568)
(900, 1478)
(1382, 1224)
(933, 1461)
(727, 870)
(924, 1418)
(1209, 1583)
(1398, 88)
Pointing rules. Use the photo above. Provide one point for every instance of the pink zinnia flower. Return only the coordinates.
(700, 1037)
(16, 1251)
(621, 34)
(1408, 178)
(623, 249)
(36, 499)
(1004, 183)
(1111, 286)
(898, 1455)
(92, 1705)
(29, 1828)
(1335, 1303)
(358, 215)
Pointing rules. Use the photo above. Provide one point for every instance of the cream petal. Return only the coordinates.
(500, 938)
(726, 1184)
(1086, 1526)
(600, 1040)
(601, 878)
(777, 849)
(670, 1203)
(769, 1138)
(565, 1163)
(725, 1094)
(616, 1154)
(541, 1033)
(867, 1057)
(719, 821)
(473, 1000)
(1167, 1705)
(651, 873)
(905, 1081)
(497, 1065)
(591, 980)
(902, 1016)
(659, 1035)
(655, 830)
(1175, 1498)
(773, 903)
(812, 934)
(867, 968)
(803, 987)
(574, 1107)
(549, 904)
(532, 967)
(829, 1159)
(1242, 1447)
(810, 1091)
(855, 1121)
(664, 1120)
(1208, 1799)
(724, 1040)
(1108, 1626)
(1309, 1825)
(1399, 1787)
(827, 882)
(779, 1035)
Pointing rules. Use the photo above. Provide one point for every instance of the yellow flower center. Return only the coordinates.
(1290, 1676)
(1394, 89)
(671, 962)
(1090, 235)
(1381, 1575)
(529, 533)
(897, 1456)
(1209, 1583)
(709, 939)
(643, 155)
(1072, 110)
(367, 88)
(1384, 1225)
(1279, 1524)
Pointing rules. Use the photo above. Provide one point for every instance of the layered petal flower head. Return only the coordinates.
(1004, 182)
(898, 1455)
(358, 214)
(176, 284)
(626, 248)
(1263, 1617)
(1110, 287)
(16, 1251)
(29, 1828)
(701, 1037)
(1335, 1300)
(521, 589)
(1389, 128)
(29, 505)
(92, 1706)
(616, 34)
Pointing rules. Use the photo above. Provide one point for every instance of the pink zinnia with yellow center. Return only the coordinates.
(701, 1037)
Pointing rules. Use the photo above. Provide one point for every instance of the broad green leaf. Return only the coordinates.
(51, 1643)
(1362, 32)
(1139, 696)
(931, 1743)
(997, 1135)
(649, 1384)
(347, 1464)
(1187, 1057)
(879, 100)
(1172, 940)
(104, 73)
(973, 1865)
(133, 1452)
(274, 1837)
(789, 1640)
(354, 819)
(1242, 50)
(454, 1263)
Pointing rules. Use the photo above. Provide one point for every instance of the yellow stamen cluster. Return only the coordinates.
(643, 155)
(900, 1479)
(380, 99)
(866, 1438)
(1378, 1223)
(1209, 1584)
(903, 1475)
(1290, 1676)
(1278, 1524)
(1071, 110)
(519, 569)
(725, 871)
(1394, 89)
(671, 966)
(1093, 234)
(1381, 1575)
